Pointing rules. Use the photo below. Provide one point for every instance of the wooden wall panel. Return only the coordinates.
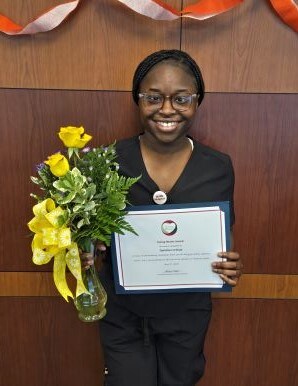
(48, 345)
(252, 342)
(248, 49)
(98, 47)
(44, 343)
(259, 131)
(251, 286)
(22, 12)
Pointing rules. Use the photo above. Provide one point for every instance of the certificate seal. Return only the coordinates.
(169, 227)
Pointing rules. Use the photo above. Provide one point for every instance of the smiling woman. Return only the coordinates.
(158, 339)
(168, 117)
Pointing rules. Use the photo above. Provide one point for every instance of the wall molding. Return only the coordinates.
(251, 286)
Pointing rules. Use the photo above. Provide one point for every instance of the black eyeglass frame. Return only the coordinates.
(171, 97)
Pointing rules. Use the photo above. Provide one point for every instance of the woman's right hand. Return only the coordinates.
(87, 258)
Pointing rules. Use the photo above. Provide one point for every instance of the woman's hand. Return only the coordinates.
(87, 258)
(229, 270)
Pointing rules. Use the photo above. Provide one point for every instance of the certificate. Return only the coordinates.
(173, 250)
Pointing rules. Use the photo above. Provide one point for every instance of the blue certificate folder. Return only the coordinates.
(121, 288)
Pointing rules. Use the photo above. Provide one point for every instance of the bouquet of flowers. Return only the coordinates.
(83, 200)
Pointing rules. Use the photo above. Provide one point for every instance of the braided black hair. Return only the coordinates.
(180, 57)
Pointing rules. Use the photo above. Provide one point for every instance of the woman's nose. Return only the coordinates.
(167, 107)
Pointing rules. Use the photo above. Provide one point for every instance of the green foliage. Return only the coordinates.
(92, 192)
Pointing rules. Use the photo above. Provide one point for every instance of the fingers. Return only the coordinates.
(232, 281)
(227, 268)
(230, 269)
(232, 261)
(234, 256)
(87, 259)
(226, 271)
(100, 248)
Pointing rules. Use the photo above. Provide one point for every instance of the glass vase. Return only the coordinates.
(91, 305)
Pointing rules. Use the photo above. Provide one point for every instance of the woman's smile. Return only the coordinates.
(166, 125)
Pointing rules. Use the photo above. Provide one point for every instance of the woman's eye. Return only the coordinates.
(181, 99)
(154, 98)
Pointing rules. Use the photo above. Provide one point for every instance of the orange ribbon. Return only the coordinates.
(46, 22)
(210, 7)
(159, 10)
(288, 11)
(155, 9)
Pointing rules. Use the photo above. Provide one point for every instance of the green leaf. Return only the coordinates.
(80, 223)
(67, 199)
(35, 180)
(70, 152)
(76, 208)
(89, 206)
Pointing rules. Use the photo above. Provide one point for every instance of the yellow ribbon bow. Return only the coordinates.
(53, 239)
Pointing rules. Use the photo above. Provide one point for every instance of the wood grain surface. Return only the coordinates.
(96, 48)
(248, 49)
(44, 343)
(250, 342)
(251, 286)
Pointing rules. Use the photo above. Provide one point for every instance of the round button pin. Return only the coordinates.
(159, 197)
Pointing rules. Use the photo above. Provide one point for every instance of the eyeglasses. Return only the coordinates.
(179, 102)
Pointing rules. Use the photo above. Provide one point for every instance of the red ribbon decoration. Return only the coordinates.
(156, 9)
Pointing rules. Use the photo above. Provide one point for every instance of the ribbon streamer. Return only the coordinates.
(46, 22)
(159, 10)
(155, 9)
(288, 11)
(53, 239)
(152, 8)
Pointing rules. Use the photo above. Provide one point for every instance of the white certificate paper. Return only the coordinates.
(173, 250)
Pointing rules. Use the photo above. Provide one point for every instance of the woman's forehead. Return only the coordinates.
(169, 72)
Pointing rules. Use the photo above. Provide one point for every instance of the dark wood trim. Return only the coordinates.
(251, 286)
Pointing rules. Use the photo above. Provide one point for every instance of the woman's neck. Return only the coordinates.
(165, 162)
(152, 145)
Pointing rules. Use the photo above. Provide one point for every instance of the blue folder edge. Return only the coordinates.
(223, 205)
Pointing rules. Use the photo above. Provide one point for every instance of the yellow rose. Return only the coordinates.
(74, 136)
(58, 164)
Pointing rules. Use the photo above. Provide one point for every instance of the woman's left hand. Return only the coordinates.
(229, 270)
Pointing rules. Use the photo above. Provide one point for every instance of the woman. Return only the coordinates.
(158, 339)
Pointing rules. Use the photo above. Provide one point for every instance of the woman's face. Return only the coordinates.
(166, 124)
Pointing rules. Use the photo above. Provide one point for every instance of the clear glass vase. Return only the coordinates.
(91, 306)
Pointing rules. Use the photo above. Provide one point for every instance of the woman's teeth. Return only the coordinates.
(167, 124)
